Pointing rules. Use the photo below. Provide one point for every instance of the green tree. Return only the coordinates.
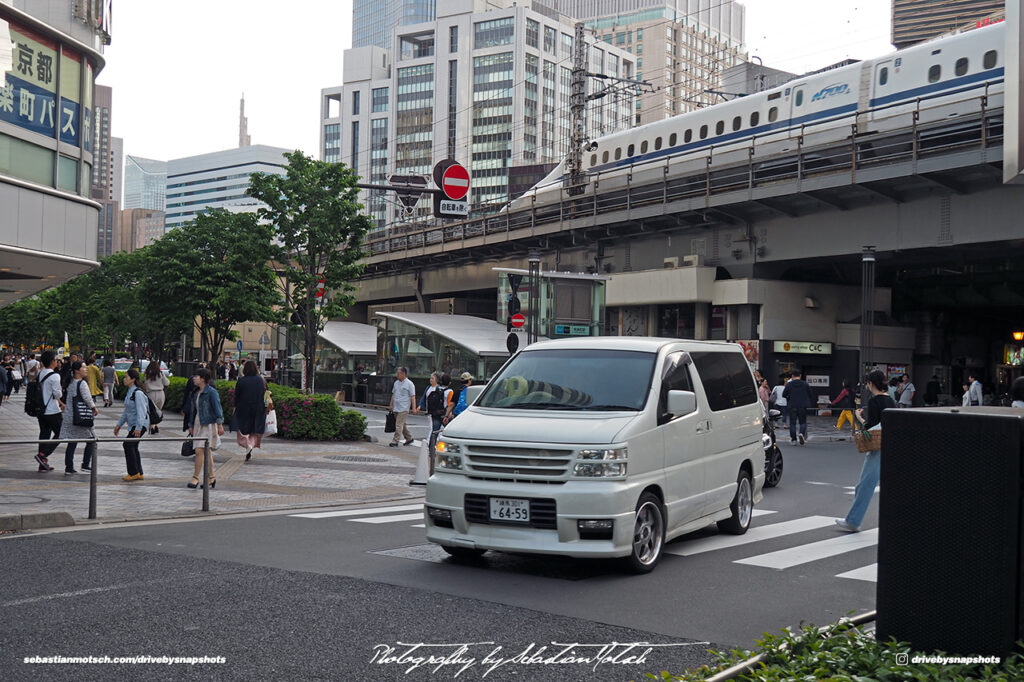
(317, 220)
(214, 272)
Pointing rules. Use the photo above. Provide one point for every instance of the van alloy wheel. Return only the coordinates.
(648, 535)
(742, 507)
(773, 467)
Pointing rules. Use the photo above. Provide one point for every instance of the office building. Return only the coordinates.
(216, 180)
(139, 227)
(914, 21)
(487, 83)
(106, 172)
(50, 54)
(374, 20)
(145, 183)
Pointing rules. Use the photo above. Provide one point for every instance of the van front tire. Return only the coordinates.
(742, 507)
(648, 535)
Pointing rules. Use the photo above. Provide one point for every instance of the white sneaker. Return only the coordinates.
(847, 527)
(801, 439)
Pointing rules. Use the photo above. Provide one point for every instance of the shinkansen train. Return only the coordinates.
(940, 79)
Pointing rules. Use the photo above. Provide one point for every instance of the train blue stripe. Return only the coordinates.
(936, 87)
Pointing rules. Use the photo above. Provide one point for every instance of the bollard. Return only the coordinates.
(207, 458)
(92, 479)
(422, 465)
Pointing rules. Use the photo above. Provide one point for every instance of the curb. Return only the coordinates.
(34, 521)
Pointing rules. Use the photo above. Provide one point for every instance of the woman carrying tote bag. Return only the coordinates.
(250, 408)
(80, 400)
(879, 402)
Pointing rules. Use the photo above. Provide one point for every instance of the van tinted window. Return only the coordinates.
(675, 376)
(726, 379)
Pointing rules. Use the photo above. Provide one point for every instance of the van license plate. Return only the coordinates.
(510, 509)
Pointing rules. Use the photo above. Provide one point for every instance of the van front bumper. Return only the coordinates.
(574, 500)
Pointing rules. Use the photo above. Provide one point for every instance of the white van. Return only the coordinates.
(600, 447)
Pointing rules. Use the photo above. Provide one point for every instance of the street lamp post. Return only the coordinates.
(534, 321)
(867, 308)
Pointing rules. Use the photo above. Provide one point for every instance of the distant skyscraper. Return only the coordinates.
(374, 20)
(145, 183)
(243, 125)
(914, 21)
(139, 227)
(217, 180)
(103, 173)
(117, 169)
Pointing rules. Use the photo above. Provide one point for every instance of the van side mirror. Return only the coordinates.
(472, 393)
(681, 403)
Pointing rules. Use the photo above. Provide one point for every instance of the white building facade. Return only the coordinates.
(487, 83)
(217, 180)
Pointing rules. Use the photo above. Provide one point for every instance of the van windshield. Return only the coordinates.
(595, 380)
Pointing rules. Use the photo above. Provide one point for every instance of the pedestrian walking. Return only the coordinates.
(894, 388)
(109, 379)
(966, 398)
(32, 367)
(459, 404)
(154, 385)
(798, 400)
(12, 383)
(906, 392)
(18, 373)
(207, 422)
(778, 400)
(435, 403)
(232, 371)
(80, 388)
(52, 406)
(136, 416)
(844, 401)
(976, 394)
(764, 392)
(869, 473)
(403, 399)
(95, 378)
(188, 410)
(250, 408)
(1017, 392)
(931, 391)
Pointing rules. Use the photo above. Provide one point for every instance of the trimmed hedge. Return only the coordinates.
(300, 416)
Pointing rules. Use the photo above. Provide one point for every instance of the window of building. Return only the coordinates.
(414, 47)
(550, 36)
(883, 75)
(657, 143)
(934, 73)
(453, 38)
(703, 132)
(799, 98)
(989, 60)
(631, 150)
(688, 135)
(493, 32)
(737, 122)
(639, 49)
(961, 66)
(566, 45)
(532, 33)
(719, 127)
(755, 118)
(620, 38)
(639, 34)
(672, 140)
(379, 100)
(355, 145)
(643, 147)
(773, 114)
(355, 103)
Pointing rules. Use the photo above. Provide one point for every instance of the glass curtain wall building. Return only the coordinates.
(145, 183)
(374, 20)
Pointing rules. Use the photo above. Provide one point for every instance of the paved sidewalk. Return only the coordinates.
(818, 429)
(282, 475)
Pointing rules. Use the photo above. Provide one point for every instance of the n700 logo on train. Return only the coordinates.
(831, 90)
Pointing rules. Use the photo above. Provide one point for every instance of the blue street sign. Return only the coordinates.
(239, 344)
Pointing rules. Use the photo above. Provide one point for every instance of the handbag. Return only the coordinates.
(271, 423)
(389, 423)
(81, 413)
(187, 449)
(868, 440)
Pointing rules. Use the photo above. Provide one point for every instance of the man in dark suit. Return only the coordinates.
(798, 399)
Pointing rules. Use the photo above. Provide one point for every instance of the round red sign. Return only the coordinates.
(455, 182)
(518, 320)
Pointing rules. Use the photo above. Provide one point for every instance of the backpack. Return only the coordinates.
(461, 405)
(155, 416)
(35, 404)
(435, 402)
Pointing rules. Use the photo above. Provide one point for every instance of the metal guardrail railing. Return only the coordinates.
(924, 131)
(96, 454)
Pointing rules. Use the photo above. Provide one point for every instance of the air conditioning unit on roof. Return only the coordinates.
(693, 261)
(671, 263)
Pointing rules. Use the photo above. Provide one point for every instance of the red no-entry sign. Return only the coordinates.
(455, 182)
(518, 320)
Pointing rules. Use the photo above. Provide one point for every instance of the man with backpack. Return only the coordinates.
(43, 401)
(435, 403)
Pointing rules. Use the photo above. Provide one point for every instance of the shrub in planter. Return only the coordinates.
(353, 426)
(120, 390)
(175, 393)
(308, 417)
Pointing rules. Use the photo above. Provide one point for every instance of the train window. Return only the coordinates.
(593, 159)
(961, 66)
(604, 157)
(799, 98)
(719, 127)
(657, 143)
(672, 139)
(883, 75)
(989, 60)
(630, 150)
(737, 122)
(643, 147)
(703, 132)
(773, 114)
(755, 118)
(934, 73)
(688, 135)
(618, 153)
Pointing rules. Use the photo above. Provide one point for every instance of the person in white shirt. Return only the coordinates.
(906, 392)
(976, 395)
(51, 420)
(780, 400)
(403, 400)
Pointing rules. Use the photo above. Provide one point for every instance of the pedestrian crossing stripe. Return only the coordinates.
(755, 534)
(867, 573)
(802, 554)
(391, 519)
(359, 512)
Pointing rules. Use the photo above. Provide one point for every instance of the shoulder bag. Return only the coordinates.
(81, 414)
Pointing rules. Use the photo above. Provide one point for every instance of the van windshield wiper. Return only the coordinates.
(542, 406)
(611, 408)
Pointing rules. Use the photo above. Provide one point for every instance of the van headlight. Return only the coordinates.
(447, 455)
(601, 463)
(617, 453)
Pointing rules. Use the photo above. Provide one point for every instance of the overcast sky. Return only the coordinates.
(179, 70)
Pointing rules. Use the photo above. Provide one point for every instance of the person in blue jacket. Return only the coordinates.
(798, 400)
(208, 422)
(136, 416)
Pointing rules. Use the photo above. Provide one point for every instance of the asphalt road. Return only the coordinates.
(283, 596)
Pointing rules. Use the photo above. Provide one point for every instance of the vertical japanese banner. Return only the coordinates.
(28, 93)
(70, 96)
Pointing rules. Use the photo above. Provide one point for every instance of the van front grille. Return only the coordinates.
(518, 463)
(542, 512)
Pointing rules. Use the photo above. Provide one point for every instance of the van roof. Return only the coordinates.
(635, 343)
